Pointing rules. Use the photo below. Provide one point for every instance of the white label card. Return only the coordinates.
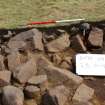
(90, 64)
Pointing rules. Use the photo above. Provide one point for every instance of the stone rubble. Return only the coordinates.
(38, 69)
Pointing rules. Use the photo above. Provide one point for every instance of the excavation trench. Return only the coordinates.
(97, 83)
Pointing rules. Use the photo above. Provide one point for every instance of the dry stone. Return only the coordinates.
(23, 36)
(37, 41)
(83, 93)
(62, 94)
(25, 71)
(40, 81)
(12, 96)
(77, 44)
(59, 44)
(16, 44)
(96, 37)
(5, 78)
(32, 91)
(42, 62)
(14, 60)
(58, 76)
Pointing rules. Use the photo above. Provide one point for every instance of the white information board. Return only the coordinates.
(90, 64)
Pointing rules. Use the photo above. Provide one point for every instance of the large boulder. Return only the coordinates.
(58, 76)
(25, 71)
(59, 44)
(12, 96)
(61, 76)
(5, 77)
(26, 40)
(23, 36)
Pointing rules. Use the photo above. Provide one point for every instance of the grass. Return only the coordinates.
(18, 12)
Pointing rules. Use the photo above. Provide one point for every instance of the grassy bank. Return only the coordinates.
(18, 12)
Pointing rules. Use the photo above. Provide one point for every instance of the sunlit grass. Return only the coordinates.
(18, 12)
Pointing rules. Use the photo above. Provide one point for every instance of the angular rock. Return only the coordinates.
(14, 60)
(83, 93)
(61, 93)
(37, 41)
(32, 91)
(61, 76)
(40, 81)
(5, 78)
(56, 96)
(2, 66)
(42, 62)
(96, 37)
(59, 44)
(30, 102)
(23, 36)
(25, 71)
(12, 96)
(16, 44)
(77, 44)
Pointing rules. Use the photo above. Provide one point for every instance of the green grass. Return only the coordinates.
(17, 12)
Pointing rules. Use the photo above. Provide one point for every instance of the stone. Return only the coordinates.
(32, 91)
(14, 60)
(83, 93)
(25, 71)
(5, 78)
(23, 36)
(12, 96)
(30, 102)
(2, 66)
(48, 99)
(61, 93)
(59, 44)
(96, 37)
(40, 81)
(16, 44)
(42, 62)
(77, 44)
(37, 41)
(61, 76)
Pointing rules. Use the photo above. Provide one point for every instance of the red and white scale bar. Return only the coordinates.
(54, 22)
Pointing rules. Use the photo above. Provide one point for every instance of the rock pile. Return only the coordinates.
(38, 69)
